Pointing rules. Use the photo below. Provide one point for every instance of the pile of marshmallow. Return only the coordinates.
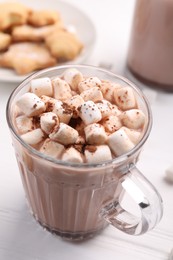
(79, 119)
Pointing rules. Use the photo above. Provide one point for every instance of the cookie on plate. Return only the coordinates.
(26, 57)
(63, 45)
(29, 33)
(5, 40)
(43, 17)
(13, 14)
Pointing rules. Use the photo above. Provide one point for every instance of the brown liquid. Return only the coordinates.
(150, 56)
(68, 201)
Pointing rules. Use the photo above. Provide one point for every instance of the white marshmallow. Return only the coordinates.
(64, 134)
(72, 155)
(48, 121)
(42, 86)
(30, 104)
(95, 134)
(125, 98)
(88, 83)
(89, 113)
(115, 111)
(93, 94)
(33, 137)
(24, 124)
(119, 142)
(133, 118)
(49, 102)
(107, 88)
(170, 257)
(52, 148)
(63, 111)
(61, 89)
(17, 111)
(74, 93)
(45, 98)
(97, 154)
(111, 123)
(135, 136)
(169, 174)
(80, 140)
(75, 102)
(73, 77)
(105, 107)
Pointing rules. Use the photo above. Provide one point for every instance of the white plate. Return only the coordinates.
(71, 16)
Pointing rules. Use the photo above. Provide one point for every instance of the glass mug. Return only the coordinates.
(76, 201)
(150, 54)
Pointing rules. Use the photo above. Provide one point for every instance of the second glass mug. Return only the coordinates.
(76, 201)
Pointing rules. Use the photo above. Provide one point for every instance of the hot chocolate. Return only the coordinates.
(75, 135)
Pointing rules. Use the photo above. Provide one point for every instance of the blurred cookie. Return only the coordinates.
(29, 33)
(26, 57)
(5, 40)
(13, 14)
(63, 45)
(43, 17)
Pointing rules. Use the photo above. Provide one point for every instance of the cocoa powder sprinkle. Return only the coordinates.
(91, 148)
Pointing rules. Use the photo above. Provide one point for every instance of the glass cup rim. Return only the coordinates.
(116, 160)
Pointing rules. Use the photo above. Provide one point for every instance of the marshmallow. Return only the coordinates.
(63, 111)
(45, 98)
(73, 77)
(48, 121)
(88, 83)
(105, 107)
(80, 140)
(107, 88)
(17, 111)
(75, 102)
(42, 86)
(64, 134)
(115, 111)
(169, 174)
(49, 102)
(24, 124)
(111, 123)
(93, 94)
(135, 136)
(30, 104)
(74, 93)
(170, 255)
(97, 154)
(72, 155)
(133, 118)
(95, 134)
(119, 142)
(61, 89)
(125, 98)
(33, 137)
(89, 113)
(52, 148)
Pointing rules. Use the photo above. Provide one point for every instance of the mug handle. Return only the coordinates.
(145, 196)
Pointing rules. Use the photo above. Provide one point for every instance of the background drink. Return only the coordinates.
(150, 56)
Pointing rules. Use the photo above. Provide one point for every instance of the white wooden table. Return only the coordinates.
(21, 238)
